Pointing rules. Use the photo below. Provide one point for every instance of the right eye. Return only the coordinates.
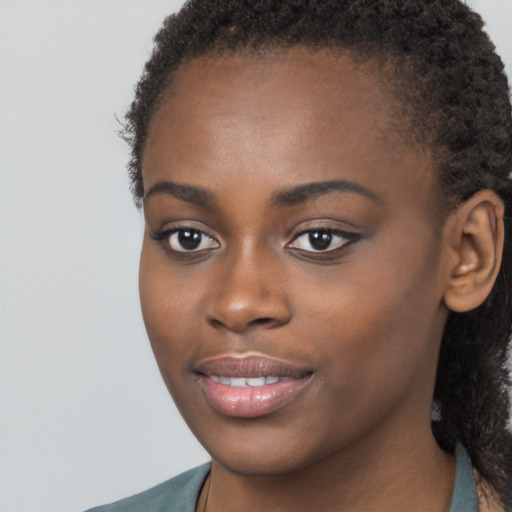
(187, 240)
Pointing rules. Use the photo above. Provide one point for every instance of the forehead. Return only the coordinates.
(307, 109)
(322, 87)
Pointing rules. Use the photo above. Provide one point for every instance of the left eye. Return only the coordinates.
(189, 240)
(319, 240)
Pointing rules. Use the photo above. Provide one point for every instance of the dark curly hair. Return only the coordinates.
(453, 91)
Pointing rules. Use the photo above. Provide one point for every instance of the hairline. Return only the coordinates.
(369, 58)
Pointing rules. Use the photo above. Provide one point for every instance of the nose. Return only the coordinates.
(249, 294)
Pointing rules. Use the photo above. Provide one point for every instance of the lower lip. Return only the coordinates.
(251, 402)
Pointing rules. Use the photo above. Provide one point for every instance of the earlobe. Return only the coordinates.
(474, 234)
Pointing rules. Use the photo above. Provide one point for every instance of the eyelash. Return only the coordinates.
(165, 237)
(325, 235)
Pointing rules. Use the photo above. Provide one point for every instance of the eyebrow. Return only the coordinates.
(194, 195)
(302, 193)
(201, 197)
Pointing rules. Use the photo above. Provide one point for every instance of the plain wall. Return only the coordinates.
(84, 416)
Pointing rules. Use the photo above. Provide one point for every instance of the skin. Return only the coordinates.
(366, 320)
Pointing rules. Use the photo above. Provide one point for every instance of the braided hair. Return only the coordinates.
(454, 95)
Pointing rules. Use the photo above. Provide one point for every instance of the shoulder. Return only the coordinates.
(179, 494)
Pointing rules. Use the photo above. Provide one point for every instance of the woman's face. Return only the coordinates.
(291, 276)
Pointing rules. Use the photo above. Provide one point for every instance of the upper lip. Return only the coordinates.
(250, 366)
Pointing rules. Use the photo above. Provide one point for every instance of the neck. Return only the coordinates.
(413, 474)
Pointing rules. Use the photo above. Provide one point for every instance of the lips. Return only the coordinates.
(251, 386)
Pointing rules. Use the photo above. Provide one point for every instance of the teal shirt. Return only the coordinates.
(180, 494)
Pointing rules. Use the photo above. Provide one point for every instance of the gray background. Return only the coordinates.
(84, 417)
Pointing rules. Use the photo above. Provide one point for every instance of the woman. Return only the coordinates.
(326, 260)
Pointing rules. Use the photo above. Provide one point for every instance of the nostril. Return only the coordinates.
(260, 321)
(216, 323)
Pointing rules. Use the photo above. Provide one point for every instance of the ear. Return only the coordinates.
(474, 234)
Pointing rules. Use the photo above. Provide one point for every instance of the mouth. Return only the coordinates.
(244, 382)
(250, 386)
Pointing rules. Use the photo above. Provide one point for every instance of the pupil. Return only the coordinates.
(189, 239)
(320, 240)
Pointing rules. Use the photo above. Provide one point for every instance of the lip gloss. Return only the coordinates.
(249, 387)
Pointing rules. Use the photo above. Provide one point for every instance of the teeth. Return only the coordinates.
(243, 382)
(238, 382)
(256, 381)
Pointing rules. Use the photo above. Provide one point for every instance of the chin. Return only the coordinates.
(264, 454)
(257, 466)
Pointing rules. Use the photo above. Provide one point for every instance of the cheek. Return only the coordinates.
(375, 332)
(361, 341)
(168, 307)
